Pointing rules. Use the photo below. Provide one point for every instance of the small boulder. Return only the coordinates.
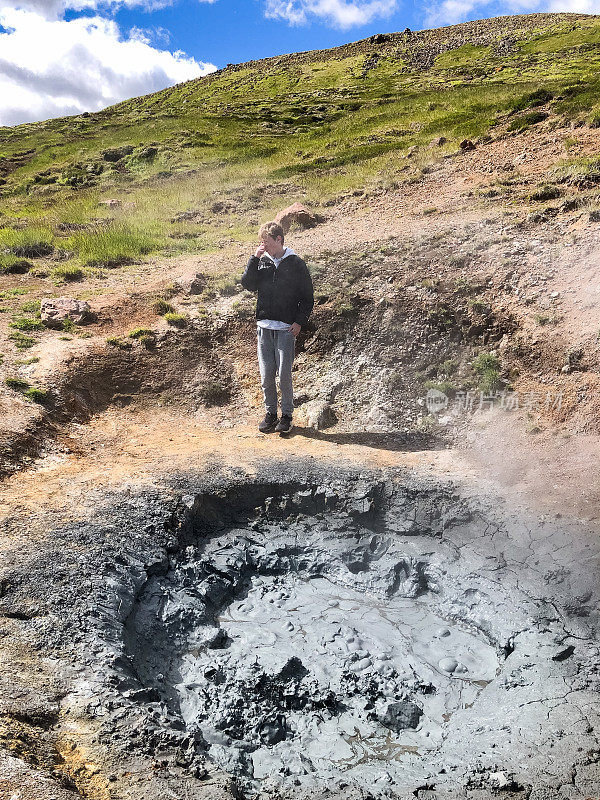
(57, 309)
(192, 282)
(299, 215)
(111, 203)
(466, 145)
(400, 716)
(439, 141)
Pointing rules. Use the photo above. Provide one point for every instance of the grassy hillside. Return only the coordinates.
(218, 154)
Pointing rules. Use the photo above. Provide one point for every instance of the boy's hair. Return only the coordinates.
(273, 229)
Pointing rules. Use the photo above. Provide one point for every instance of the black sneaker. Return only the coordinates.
(284, 426)
(268, 424)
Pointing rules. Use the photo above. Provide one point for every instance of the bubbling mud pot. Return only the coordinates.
(319, 634)
(364, 639)
(304, 651)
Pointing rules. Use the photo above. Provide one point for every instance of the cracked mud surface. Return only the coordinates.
(457, 642)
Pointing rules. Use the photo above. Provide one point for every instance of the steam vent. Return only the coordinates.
(356, 635)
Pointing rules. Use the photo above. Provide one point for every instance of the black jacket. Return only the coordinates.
(285, 293)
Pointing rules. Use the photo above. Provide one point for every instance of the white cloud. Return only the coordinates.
(149, 35)
(54, 9)
(339, 13)
(449, 12)
(54, 67)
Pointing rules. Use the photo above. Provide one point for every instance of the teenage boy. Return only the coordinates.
(284, 303)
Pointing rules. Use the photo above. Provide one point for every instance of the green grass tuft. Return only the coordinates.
(137, 333)
(17, 384)
(25, 362)
(30, 242)
(68, 273)
(113, 246)
(545, 193)
(37, 395)
(21, 341)
(526, 120)
(11, 265)
(532, 99)
(177, 320)
(120, 344)
(161, 307)
(27, 324)
(446, 387)
(487, 368)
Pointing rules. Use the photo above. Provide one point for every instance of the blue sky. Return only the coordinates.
(245, 33)
(103, 51)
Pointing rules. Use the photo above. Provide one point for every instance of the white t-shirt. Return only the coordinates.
(276, 324)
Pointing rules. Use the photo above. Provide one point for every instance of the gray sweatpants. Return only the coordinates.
(276, 350)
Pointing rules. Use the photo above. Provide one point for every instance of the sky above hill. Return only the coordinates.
(62, 57)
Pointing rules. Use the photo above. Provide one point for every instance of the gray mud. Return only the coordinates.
(361, 636)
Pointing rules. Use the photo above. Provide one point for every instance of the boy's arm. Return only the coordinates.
(307, 300)
(249, 279)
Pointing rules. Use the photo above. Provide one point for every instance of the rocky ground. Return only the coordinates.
(101, 484)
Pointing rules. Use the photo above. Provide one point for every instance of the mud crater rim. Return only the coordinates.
(318, 637)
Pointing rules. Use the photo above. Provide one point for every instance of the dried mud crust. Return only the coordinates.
(126, 604)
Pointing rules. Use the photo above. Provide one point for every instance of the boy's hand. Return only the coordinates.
(295, 329)
(260, 250)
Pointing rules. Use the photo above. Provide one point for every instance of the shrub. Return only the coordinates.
(448, 367)
(68, 273)
(464, 286)
(478, 305)
(214, 392)
(160, 306)
(177, 320)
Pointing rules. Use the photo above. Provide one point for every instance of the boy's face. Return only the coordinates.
(272, 245)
